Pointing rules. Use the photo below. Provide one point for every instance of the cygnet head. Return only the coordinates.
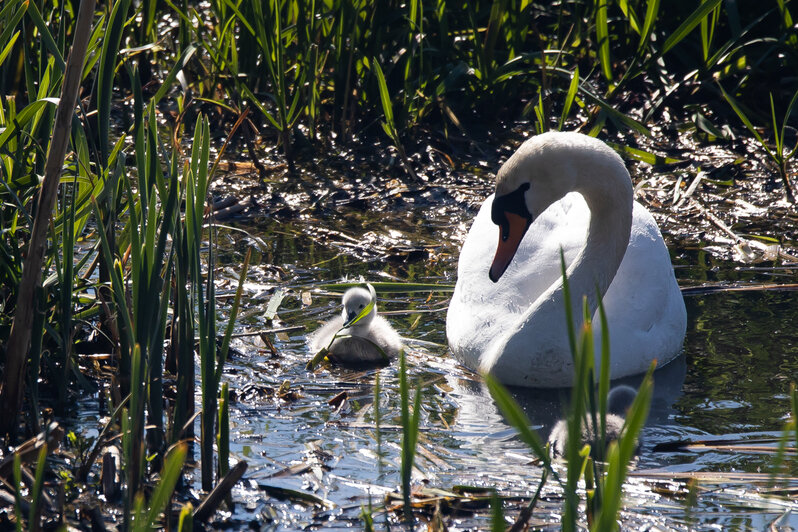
(620, 399)
(357, 300)
(543, 170)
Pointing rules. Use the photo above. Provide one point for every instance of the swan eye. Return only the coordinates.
(361, 305)
(514, 203)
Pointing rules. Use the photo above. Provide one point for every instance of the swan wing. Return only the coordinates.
(645, 308)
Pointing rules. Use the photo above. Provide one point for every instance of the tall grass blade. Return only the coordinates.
(105, 78)
(185, 522)
(378, 419)
(566, 290)
(737, 109)
(516, 417)
(173, 466)
(603, 38)
(569, 98)
(410, 422)
(652, 10)
(18, 491)
(621, 453)
(689, 24)
(794, 401)
(223, 434)
(34, 517)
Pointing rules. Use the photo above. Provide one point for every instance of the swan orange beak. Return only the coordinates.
(511, 231)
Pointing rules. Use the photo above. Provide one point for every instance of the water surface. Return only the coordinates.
(732, 382)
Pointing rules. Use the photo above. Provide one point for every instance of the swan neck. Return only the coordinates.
(594, 268)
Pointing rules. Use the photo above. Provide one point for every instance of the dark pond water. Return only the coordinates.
(732, 381)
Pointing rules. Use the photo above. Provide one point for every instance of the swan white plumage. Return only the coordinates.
(362, 333)
(569, 191)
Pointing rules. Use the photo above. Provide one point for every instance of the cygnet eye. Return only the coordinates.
(361, 305)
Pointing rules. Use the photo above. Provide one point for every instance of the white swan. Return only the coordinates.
(363, 336)
(569, 191)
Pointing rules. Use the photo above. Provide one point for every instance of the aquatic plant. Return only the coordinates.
(779, 154)
(410, 419)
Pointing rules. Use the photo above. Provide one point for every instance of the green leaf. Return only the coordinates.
(642, 155)
(516, 417)
(29, 113)
(385, 98)
(652, 8)
(736, 107)
(687, 26)
(392, 287)
(181, 63)
(163, 491)
(105, 77)
(4, 53)
(569, 97)
(603, 37)
(47, 37)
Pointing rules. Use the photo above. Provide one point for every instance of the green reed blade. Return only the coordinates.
(185, 522)
(738, 110)
(687, 26)
(47, 37)
(8, 47)
(652, 10)
(378, 419)
(34, 517)
(603, 38)
(173, 466)
(570, 97)
(778, 151)
(18, 491)
(391, 287)
(233, 314)
(385, 98)
(794, 401)
(604, 378)
(11, 14)
(621, 453)
(630, 15)
(180, 64)
(29, 114)
(223, 432)
(566, 290)
(643, 155)
(105, 77)
(497, 523)
(787, 115)
(409, 434)
(518, 419)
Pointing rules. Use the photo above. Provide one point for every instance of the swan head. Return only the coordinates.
(360, 306)
(543, 170)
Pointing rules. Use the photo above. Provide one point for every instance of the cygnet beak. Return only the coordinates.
(350, 317)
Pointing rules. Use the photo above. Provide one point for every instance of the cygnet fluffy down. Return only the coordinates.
(619, 400)
(361, 338)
